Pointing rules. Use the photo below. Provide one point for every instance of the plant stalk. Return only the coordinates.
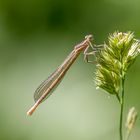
(122, 108)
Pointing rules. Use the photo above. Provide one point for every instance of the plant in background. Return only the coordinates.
(130, 121)
(113, 62)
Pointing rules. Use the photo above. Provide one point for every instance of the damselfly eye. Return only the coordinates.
(89, 37)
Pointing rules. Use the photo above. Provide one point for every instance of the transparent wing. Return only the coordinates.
(45, 85)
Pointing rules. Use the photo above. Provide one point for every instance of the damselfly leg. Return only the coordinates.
(95, 49)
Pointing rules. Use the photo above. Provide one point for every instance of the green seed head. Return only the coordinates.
(114, 59)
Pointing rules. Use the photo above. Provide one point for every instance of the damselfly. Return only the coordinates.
(47, 87)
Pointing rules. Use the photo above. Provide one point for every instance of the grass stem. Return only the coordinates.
(122, 108)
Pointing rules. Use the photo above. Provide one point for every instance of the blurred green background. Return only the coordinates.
(35, 37)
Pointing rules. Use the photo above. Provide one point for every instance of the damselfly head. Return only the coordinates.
(89, 37)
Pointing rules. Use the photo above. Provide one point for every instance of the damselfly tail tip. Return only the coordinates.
(29, 113)
(31, 110)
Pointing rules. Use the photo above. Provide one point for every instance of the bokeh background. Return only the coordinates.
(35, 37)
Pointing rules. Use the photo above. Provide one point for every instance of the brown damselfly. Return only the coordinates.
(47, 87)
